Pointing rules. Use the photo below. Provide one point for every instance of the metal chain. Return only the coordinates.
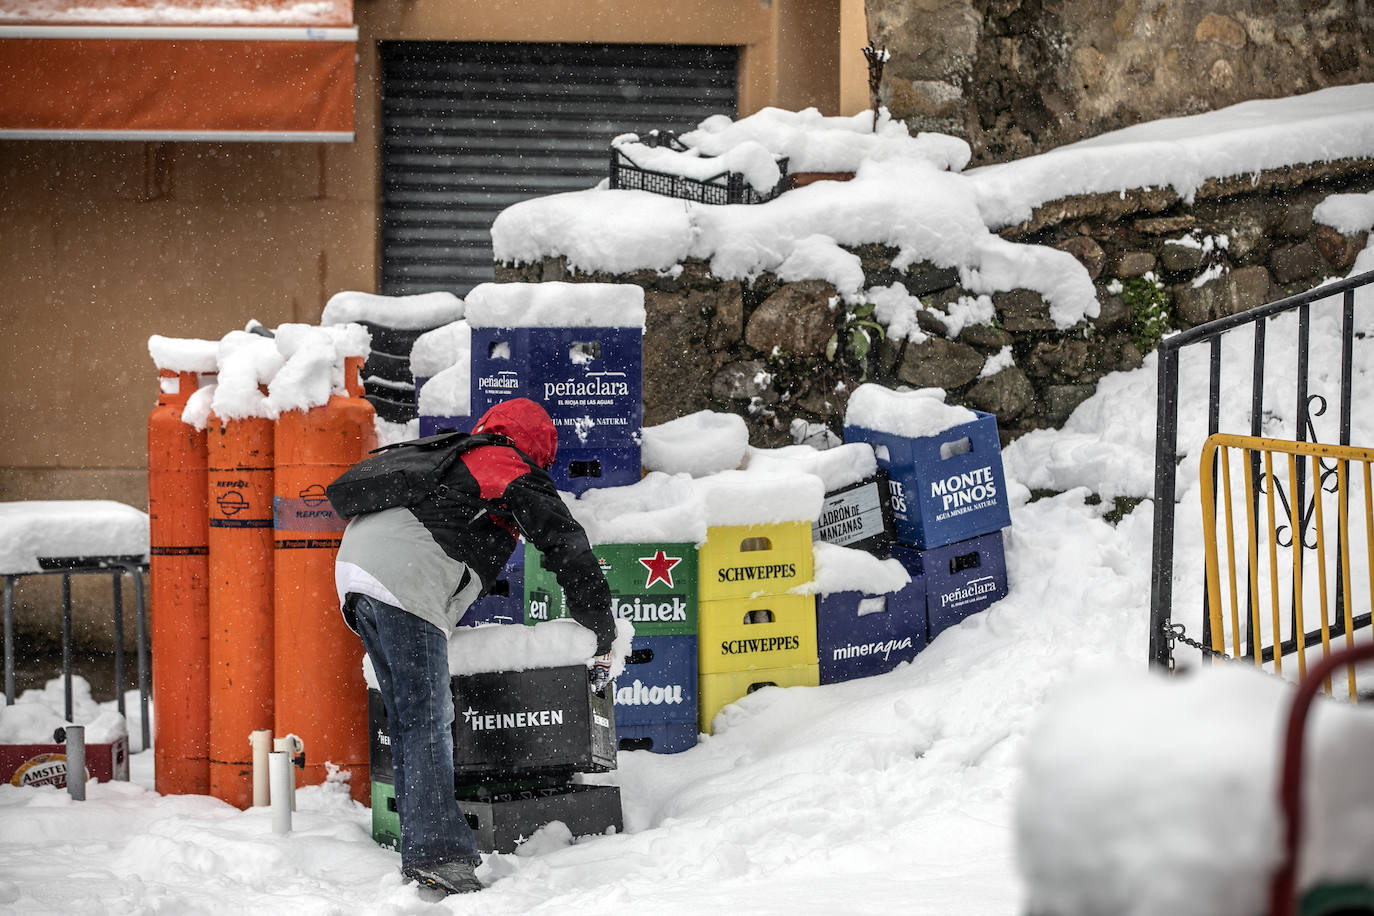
(1177, 632)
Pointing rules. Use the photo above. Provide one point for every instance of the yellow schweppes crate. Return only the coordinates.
(742, 560)
(716, 691)
(770, 631)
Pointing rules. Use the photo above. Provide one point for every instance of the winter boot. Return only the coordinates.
(447, 877)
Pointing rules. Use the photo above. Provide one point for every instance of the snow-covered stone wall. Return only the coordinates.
(1015, 77)
(779, 350)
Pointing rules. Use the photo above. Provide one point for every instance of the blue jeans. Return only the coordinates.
(410, 657)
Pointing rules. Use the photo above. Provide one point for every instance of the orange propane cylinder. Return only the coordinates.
(320, 692)
(240, 512)
(179, 596)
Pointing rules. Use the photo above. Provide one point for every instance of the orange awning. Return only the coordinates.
(166, 81)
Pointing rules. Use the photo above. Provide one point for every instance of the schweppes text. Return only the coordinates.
(765, 644)
(750, 573)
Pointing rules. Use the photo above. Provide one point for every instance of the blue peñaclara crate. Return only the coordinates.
(961, 578)
(504, 602)
(945, 488)
(861, 635)
(430, 425)
(577, 470)
(659, 683)
(590, 380)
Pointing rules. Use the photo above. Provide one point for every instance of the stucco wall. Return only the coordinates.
(1016, 77)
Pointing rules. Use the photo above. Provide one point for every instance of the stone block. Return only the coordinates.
(725, 304)
(939, 363)
(1337, 249)
(985, 337)
(1295, 262)
(1222, 30)
(1008, 394)
(1088, 253)
(1065, 358)
(1022, 310)
(1177, 258)
(797, 319)
(1133, 264)
(743, 380)
(1113, 314)
(1058, 401)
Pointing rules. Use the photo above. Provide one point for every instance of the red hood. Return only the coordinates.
(526, 424)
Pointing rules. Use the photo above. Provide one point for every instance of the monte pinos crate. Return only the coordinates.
(577, 349)
(946, 486)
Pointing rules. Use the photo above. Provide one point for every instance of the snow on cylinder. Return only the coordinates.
(698, 444)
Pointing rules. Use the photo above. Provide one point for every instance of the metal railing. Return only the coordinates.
(117, 568)
(1326, 299)
(1325, 581)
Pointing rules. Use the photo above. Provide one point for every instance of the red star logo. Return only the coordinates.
(660, 568)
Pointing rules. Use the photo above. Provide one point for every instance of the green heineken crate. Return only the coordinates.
(386, 820)
(653, 585)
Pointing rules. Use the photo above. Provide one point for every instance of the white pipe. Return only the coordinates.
(75, 738)
(291, 745)
(261, 740)
(281, 791)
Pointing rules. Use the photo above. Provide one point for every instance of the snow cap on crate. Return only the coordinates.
(837, 467)
(748, 158)
(758, 498)
(700, 443)
(33, 718)
(556, 305)
(847, 569)
(439, 349)
(915, 414)
(515, 647)
(661, 507)
(183, 354)
(425, 310)
(246, 361)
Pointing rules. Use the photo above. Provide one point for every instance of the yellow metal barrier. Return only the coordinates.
(1300, 504)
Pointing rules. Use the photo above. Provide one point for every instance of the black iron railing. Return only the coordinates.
(1339, 295)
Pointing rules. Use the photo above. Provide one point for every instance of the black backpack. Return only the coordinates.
(403, 473)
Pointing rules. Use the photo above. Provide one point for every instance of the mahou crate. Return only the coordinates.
(657, 689)
(653, 585)
(947, 487)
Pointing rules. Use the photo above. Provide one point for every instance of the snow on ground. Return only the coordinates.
(897, 793)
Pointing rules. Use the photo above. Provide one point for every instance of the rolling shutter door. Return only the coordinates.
(469, 129)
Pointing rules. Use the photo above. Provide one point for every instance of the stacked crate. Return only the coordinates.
(577, 349)
(653, 585)
(949, 498)
(870, 612)
(443, 356)
(755, 628)
(504, 601)
(519, 736)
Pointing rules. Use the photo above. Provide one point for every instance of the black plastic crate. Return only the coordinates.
(724, 188)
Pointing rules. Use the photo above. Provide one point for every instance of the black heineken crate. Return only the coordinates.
(506, 723)
(501, 821)
(859, 516)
